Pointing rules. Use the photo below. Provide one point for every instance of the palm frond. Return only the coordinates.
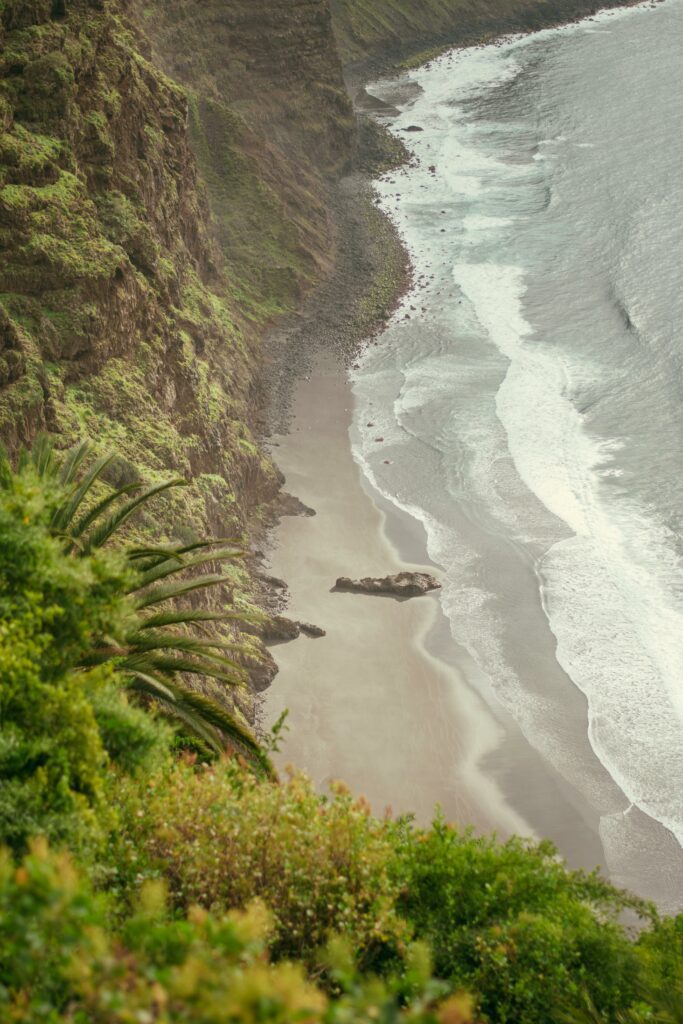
(153, 656)
(153, 555)
(187, 617)
(171, 591)
(93, 514)
(155, 640)
(203, 717)
(171, 566)
(105, 530)
(198, 710)
(63, 517)
(42, 455)
(73, 460)
(6, 474)
(211, 667)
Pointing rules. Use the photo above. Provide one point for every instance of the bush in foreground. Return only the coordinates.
(60, 963)
(321, 866)
(532, 941)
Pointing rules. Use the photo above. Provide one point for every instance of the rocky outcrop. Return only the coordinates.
(309, 629)
(279, 630)
(402, 584)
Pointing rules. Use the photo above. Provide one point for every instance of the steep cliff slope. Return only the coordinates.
(162, 202)
(372, 32)
(117, 319)
(270, 122)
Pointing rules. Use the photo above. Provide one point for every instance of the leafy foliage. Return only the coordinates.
(533, 941)
(358, 908)
(51, 610)
(59, 962)
(156, 643)
(319, 865)
(512, 923)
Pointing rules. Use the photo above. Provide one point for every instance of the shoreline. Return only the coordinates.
(393, 714)
(378, 712)
(505, 785)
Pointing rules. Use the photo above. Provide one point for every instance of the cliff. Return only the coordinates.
(270, 122)
(134, 287)
(118, 319)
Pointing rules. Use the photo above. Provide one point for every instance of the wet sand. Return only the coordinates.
(385, 700)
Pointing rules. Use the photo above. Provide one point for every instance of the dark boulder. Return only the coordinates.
(402, 584)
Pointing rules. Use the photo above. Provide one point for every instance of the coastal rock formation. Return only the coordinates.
(279, 629)
(402, 584)
(167, 191)
(150, 231)
(311, 630)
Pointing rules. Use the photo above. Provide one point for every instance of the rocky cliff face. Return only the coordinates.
(114, 299)
(152, 224)
(270, 123)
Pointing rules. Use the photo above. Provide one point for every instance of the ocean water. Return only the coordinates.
(529, 393)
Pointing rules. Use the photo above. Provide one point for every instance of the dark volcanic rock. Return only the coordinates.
(280, 629)
(403, 584)
(263, 671)
(413, 128)
(290, 505)
(310, 630)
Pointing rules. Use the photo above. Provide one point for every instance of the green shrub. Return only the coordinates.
(512, 923)
(52, 761)
(136, 740)
(533, 941)
(59, 962)
(151, 642)
(222, 838)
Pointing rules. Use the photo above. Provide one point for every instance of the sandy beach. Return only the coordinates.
(367, 703)
(384, 701)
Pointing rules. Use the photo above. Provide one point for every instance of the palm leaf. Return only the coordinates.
(212, 667)
(102, 533)
(203, 716)
(73, 461)
(97, 510)
(172, 566)
(64, 515)
(149, 640)
(6, 474)
(187, 617)
(171, 591)
(152, 554)
(153, 655)
(42, 455)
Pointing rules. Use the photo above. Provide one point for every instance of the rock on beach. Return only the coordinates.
(402, 584)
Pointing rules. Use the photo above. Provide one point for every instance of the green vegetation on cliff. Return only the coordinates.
(121, 318)
(82, 627)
